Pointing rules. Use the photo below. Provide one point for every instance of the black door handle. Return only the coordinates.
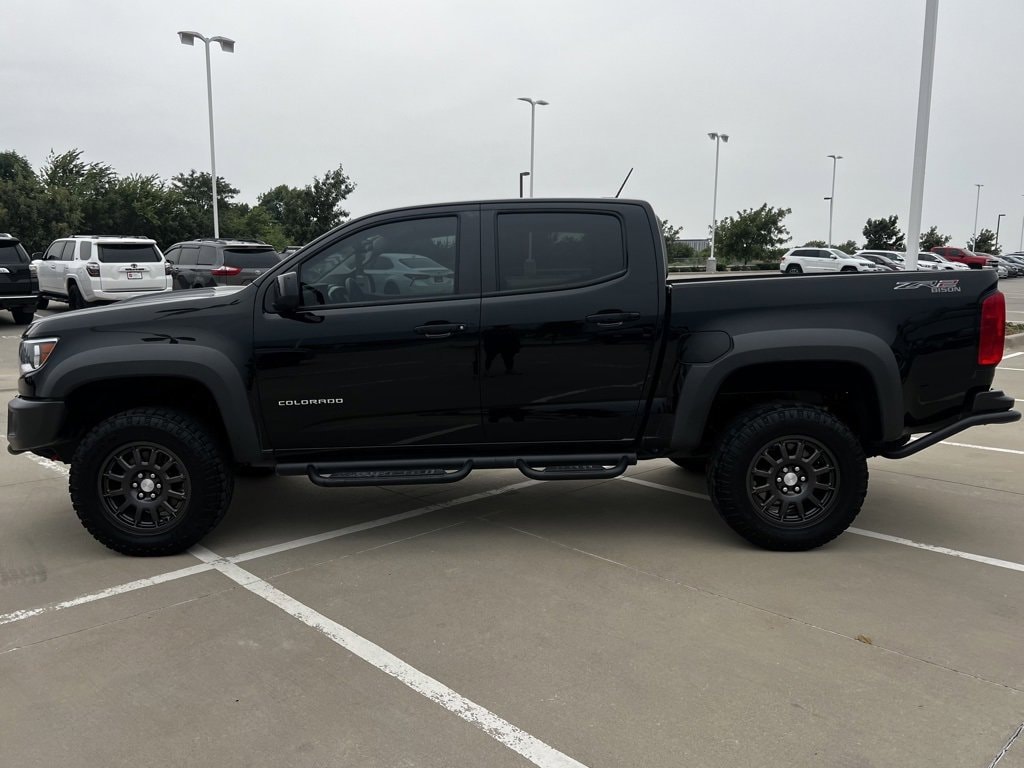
(441, 330)
(611, 319)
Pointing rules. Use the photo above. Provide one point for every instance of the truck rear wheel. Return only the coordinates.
(788, 476)
(150, 481)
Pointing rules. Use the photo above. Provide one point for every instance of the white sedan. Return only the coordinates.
(809, 259)
(409, 274)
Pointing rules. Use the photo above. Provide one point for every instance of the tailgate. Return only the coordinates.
(131, 267)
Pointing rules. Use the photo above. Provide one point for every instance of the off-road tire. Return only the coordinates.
(23, 316)
(818, 496)
(75, 299)
(848, 269)
(191, 482)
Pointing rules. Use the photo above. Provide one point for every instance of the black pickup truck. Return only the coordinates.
(416, 345)
(19, 290)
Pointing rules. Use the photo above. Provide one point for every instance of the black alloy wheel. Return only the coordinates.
(144, 487)
(788, 476)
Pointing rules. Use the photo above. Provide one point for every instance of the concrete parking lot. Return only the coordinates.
(504, 622)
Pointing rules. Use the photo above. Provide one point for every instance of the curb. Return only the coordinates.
(1016, 341)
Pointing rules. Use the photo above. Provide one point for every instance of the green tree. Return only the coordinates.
(752, 234)
(985, 242)
(932, 239)
(305, 214)
(848, 247)
(815, 244)
(883, 235)
(21, 201)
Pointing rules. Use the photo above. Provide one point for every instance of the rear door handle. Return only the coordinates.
(611, 319)
(439, 330)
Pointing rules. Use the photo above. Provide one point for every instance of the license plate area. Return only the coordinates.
(134, 275)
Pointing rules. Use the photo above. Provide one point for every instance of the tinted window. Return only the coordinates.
(557, 250)
(189, 255)
(172, 255)
(85, 252)
(207, 255)
(127, 253)
(361, 267)
(12, 253)
(53, 252)
(246, 258)
(69, 251)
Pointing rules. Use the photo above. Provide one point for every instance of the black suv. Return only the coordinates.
(19, 290)
(207, 262)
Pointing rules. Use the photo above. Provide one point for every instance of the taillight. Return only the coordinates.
(92, 269)
(226, 271)
(993, 329)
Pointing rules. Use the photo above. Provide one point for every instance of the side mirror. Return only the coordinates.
(833, 256)
(289, 298)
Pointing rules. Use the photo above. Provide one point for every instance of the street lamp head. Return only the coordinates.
(189, 38)
(725, 138)
(541, 103)
(835, 157)
(226, 43)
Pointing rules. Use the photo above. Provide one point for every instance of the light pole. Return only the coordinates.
(977, 202)
(521, 175)
(718, 138)
(534, 103)
(999, 219)
(1021, 247)
(832, 199)
(228, 46)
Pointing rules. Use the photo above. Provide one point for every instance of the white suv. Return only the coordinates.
(809, 259)
(84, 269)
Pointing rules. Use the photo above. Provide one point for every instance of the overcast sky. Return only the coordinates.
(418, 100)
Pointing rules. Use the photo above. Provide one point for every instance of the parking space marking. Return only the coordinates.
(1008, 564)
(1006, 747)
(982, 447)
(131, 586)
(519, 741)
(1014, 354)
(1001, 368)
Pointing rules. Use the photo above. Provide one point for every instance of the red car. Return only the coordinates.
(962, 255)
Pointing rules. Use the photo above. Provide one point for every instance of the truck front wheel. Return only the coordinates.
(150, 481)
(788, 476)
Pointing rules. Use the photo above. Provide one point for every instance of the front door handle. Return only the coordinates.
(611, 319)
(439, 330)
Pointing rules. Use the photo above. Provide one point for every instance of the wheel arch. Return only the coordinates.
(98, 383)
(852, 372)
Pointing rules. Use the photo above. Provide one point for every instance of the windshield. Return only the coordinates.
(937, 257)
(128, 253)
(843, 254)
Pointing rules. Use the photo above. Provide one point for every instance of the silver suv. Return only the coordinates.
(87, 269)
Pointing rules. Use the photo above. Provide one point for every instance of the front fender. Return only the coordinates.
(209, 367)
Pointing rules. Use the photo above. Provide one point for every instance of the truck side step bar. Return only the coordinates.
(348, 474)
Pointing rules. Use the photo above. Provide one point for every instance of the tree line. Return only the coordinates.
(760, 236)
(69, 195)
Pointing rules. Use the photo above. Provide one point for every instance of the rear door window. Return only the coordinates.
(133, 253)
(69, 251)
(544, 251)
(189, 255)
(207, 255)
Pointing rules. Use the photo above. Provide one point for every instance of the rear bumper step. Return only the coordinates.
(430, 471)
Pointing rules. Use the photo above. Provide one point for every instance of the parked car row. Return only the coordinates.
(811, 260)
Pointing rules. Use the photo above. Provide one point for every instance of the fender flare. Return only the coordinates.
(700, 383)
(208, 367)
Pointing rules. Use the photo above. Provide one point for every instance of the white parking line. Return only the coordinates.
(860, 531)
(1014, 354)
(1001, 368)
(530, 747)
(982, 447)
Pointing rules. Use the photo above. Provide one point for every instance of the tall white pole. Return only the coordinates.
(711, 265)
(924, 108)
(533, 125)
(832, 199)
(977, 204)
(213, 154)
(1021, 247)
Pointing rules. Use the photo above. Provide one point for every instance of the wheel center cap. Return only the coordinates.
(790, 479)
(148, 485)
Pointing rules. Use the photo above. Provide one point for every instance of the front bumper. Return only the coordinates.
(991, 407)
(34, 425)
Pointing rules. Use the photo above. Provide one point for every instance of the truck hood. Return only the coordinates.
(157, 306)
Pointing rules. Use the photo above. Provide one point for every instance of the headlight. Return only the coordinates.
(33, 353)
